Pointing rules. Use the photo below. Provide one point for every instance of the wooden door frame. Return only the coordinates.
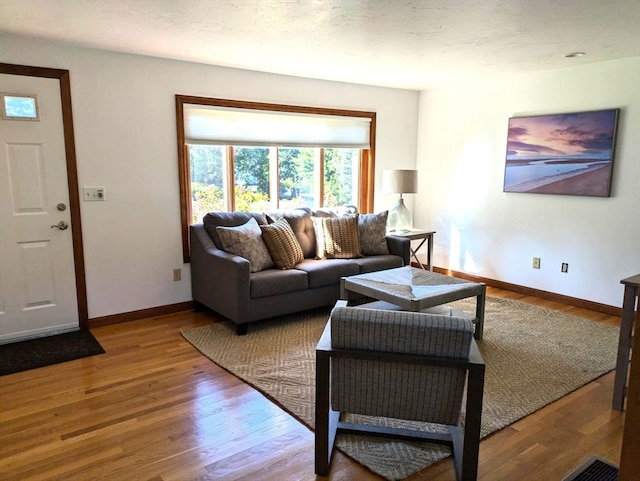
(72, 174)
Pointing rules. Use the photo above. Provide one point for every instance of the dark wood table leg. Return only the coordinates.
(480, 303)
(430, 251)
(624, 343)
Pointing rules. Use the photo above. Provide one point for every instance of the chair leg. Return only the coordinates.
(471, 448)
(458, 445)
(325, 442)
(322, 435)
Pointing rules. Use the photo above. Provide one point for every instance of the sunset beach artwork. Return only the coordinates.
(568, 153)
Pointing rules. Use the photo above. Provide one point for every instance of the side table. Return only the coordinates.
(631, 287)
(424, 236)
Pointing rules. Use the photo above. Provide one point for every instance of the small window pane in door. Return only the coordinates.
(19, 107)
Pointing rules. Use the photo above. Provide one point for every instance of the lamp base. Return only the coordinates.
(399, 218)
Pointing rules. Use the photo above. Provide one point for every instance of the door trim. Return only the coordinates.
(72, 174)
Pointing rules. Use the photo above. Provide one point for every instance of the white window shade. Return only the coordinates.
(230, 126)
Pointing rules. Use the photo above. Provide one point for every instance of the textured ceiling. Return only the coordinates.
(395, 43)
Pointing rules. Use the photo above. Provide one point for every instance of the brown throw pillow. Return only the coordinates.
(283, 246)
(337, 237)
(300, 221)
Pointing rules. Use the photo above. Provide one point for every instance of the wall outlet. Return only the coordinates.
(565, 267)
(177, 275)
(536, 263)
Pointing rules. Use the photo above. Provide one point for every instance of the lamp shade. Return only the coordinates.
(399, 181)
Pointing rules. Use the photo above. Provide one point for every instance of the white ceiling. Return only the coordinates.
(396, 43)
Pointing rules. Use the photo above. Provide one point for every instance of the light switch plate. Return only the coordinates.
(90, 194)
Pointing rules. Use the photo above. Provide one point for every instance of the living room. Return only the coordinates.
(454, 135)
(124, 119)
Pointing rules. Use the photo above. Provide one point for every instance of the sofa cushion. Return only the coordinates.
(377, 263)
(372, 229)
(337, 237)
(273, 282)
(228, 219)
(327, 272)
(282, 244)
(246, 241)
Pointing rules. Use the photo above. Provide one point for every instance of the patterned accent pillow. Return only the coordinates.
(283, 246)
(337, 237)
(373, 231)
(246, 241)
(300, 221)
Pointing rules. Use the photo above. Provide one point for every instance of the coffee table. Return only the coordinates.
(416, 289)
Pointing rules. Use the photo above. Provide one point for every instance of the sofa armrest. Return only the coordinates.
(219, 280)
(400, 246)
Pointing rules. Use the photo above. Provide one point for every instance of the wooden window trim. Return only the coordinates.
(367, 168)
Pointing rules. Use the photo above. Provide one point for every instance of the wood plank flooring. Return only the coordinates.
(152, 408)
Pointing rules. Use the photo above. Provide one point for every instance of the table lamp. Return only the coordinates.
(399, 182)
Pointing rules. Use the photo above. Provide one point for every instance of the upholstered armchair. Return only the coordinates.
(397, 364)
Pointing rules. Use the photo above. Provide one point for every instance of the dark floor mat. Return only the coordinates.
(44, 351)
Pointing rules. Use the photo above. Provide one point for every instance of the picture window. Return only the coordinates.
(249, 156)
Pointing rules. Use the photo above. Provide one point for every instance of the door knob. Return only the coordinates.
(62, 225)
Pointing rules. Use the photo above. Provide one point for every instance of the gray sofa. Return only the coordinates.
(225, 283)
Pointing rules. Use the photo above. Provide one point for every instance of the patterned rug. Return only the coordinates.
(533, 357)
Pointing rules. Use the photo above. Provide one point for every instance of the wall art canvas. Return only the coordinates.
(569, 154)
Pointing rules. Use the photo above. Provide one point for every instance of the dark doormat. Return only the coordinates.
(44, 351)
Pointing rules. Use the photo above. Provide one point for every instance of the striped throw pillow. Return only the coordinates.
(283, 246)
(337, 237)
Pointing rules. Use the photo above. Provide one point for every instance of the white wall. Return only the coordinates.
(482, 230)
(124, 119)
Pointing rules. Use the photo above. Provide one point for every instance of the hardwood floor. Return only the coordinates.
(152, 408)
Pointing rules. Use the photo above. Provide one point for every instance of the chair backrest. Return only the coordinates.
(386, 387)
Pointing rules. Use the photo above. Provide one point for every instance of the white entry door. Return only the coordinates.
(37, 277)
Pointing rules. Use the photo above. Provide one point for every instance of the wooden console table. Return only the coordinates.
(631, 287)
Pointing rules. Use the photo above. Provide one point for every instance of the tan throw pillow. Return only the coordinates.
(283, 246)
(246, 241)
(300, 221)
(373, 233)
(337, 237)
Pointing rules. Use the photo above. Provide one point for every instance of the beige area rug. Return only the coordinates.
(533, 357)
